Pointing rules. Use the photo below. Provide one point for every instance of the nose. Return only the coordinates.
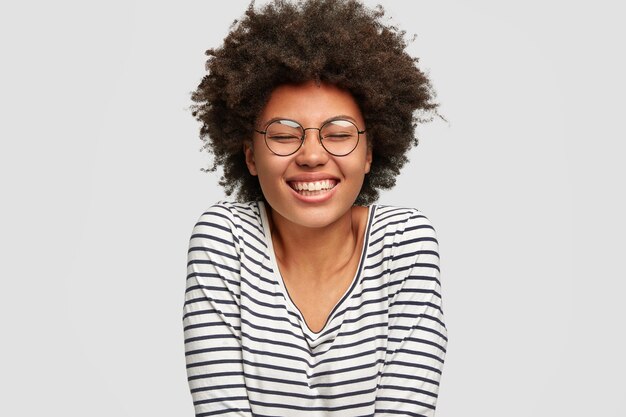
(311, 153)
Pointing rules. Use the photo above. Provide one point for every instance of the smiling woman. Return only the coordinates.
(303, 296)
(310, 195)
(280, 177)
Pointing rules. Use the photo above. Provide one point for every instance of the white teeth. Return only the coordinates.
(313, 185)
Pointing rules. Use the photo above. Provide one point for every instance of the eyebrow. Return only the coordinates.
(339, 116)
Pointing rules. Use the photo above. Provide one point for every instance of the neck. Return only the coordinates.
(315, 251)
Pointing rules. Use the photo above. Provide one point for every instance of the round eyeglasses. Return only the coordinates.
(284, 137)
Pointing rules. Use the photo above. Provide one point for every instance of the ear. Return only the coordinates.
(368, 160)
(249, 153)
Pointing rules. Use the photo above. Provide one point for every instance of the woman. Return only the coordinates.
(303, 297)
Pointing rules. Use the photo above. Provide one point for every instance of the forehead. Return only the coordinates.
(310, 103)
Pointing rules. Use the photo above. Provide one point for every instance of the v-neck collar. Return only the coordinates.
(283, 288)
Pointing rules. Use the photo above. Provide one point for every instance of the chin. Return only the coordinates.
(313, 212)
(317, 217)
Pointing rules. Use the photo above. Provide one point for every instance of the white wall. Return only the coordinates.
(101, 185)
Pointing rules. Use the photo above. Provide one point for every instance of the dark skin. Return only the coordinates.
(314, 284)
(317, 234)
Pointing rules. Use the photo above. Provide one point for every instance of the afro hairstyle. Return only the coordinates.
(340, 42)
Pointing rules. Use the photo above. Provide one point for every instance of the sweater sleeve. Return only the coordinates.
(211, 317)
(409, 382)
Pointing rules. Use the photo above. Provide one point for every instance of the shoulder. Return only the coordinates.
(228, 214)
(405, 239)
(402, 221)
(401, 233)
(225, 221)
(230, 210)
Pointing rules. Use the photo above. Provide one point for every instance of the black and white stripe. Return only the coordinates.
(249, 351)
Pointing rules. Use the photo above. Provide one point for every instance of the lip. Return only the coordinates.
(320, 198)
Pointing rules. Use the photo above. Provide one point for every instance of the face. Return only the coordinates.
(286, 180)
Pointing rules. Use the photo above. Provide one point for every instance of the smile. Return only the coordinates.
(311, 188)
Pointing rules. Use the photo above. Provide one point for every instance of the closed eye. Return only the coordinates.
(283, 137)
(339, 136)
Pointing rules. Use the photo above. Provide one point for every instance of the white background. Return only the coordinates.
(101, 186)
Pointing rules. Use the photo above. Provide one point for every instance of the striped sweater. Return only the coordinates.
(249, 351)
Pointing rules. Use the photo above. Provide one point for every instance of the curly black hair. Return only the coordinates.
(341, 42)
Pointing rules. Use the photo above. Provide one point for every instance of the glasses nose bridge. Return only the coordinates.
(316, 149)
(319, 133)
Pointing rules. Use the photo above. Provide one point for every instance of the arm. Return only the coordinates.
(211, 318)
(409, 383)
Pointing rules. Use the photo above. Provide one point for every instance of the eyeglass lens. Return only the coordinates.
(339, 137)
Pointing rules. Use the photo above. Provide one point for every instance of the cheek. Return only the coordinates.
(363, 162)
(270, 169)
(368, 165)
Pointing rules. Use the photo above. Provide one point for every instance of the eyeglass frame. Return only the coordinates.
(319, 134)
